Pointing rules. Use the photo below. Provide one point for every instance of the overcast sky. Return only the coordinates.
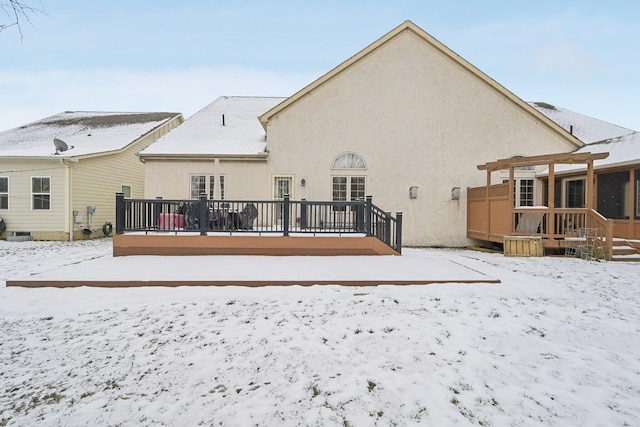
(179, 56)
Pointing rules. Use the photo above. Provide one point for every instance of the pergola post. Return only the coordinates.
(632, 202)
(590, 185)
(551, 198)
(488, 205)
(512, 203)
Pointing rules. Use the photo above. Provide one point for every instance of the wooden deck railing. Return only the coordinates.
(489, 217)
(535, 221)
(252, 216)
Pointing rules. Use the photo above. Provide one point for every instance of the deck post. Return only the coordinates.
(303, 214)
(609, 239)
(120, 213)
(360, 222)
(367, 216)
(157, 206)
(203, 215)
(387, 228)
(399, 232)
(286, 214)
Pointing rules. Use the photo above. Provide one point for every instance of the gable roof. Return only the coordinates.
(585, 128)
(228, 126)
(89, 133)
(409, 26)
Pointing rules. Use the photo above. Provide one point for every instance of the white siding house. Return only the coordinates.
(46, 193)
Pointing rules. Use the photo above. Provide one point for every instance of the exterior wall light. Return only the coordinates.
(455, 193)
(413, 192)
(303, 182)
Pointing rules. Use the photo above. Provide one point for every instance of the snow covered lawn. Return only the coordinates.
(556, 343)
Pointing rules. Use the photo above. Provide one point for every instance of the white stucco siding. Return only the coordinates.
(170, 179)
(417, 118)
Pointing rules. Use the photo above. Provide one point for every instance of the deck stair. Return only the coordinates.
(624, 250)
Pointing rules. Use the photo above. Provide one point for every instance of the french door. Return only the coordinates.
(282, 186)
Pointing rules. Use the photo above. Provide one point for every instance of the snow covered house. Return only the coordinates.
(406, 120)
(58, 175)
(221, 150)
(616, 189)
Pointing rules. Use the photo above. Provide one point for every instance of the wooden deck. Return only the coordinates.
(277, 245)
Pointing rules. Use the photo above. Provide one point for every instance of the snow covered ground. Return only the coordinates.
(556, 343)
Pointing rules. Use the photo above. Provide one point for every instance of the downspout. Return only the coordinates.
(69, 197)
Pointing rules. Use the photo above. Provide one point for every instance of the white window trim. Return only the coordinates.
(50, 193)
(207, 184)
(130, 189)
(191, 175)
(7, 193)
(348, 176)
(353, 155)
(222, 187)
(273, 186)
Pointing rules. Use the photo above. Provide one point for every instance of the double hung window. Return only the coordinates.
(41, 193)
(205, 184)
(4, 192)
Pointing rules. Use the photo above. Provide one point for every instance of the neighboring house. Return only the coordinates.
(66, 190)
(528, 190)
(617, 183)
(406, 120)
(221, 150)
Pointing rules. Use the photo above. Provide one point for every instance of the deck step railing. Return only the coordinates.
(284, 217)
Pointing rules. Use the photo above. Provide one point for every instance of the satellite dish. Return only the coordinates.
(61, 146)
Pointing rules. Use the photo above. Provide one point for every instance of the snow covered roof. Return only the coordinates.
(585, 128)
(87, 132)
(227, 126)
(623, 150)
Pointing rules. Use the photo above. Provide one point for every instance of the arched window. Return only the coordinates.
(348, 185)
(349, 160)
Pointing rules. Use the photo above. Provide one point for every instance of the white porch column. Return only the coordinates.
(217, 191)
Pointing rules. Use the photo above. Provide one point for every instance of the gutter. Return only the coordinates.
(204, 157)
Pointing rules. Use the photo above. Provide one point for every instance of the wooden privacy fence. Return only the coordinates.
(286, 216)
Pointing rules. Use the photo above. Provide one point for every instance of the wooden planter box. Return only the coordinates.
(523, 246)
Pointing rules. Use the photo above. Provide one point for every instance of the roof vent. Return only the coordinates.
(545, 105)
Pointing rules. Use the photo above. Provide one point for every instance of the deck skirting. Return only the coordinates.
(171, 244)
